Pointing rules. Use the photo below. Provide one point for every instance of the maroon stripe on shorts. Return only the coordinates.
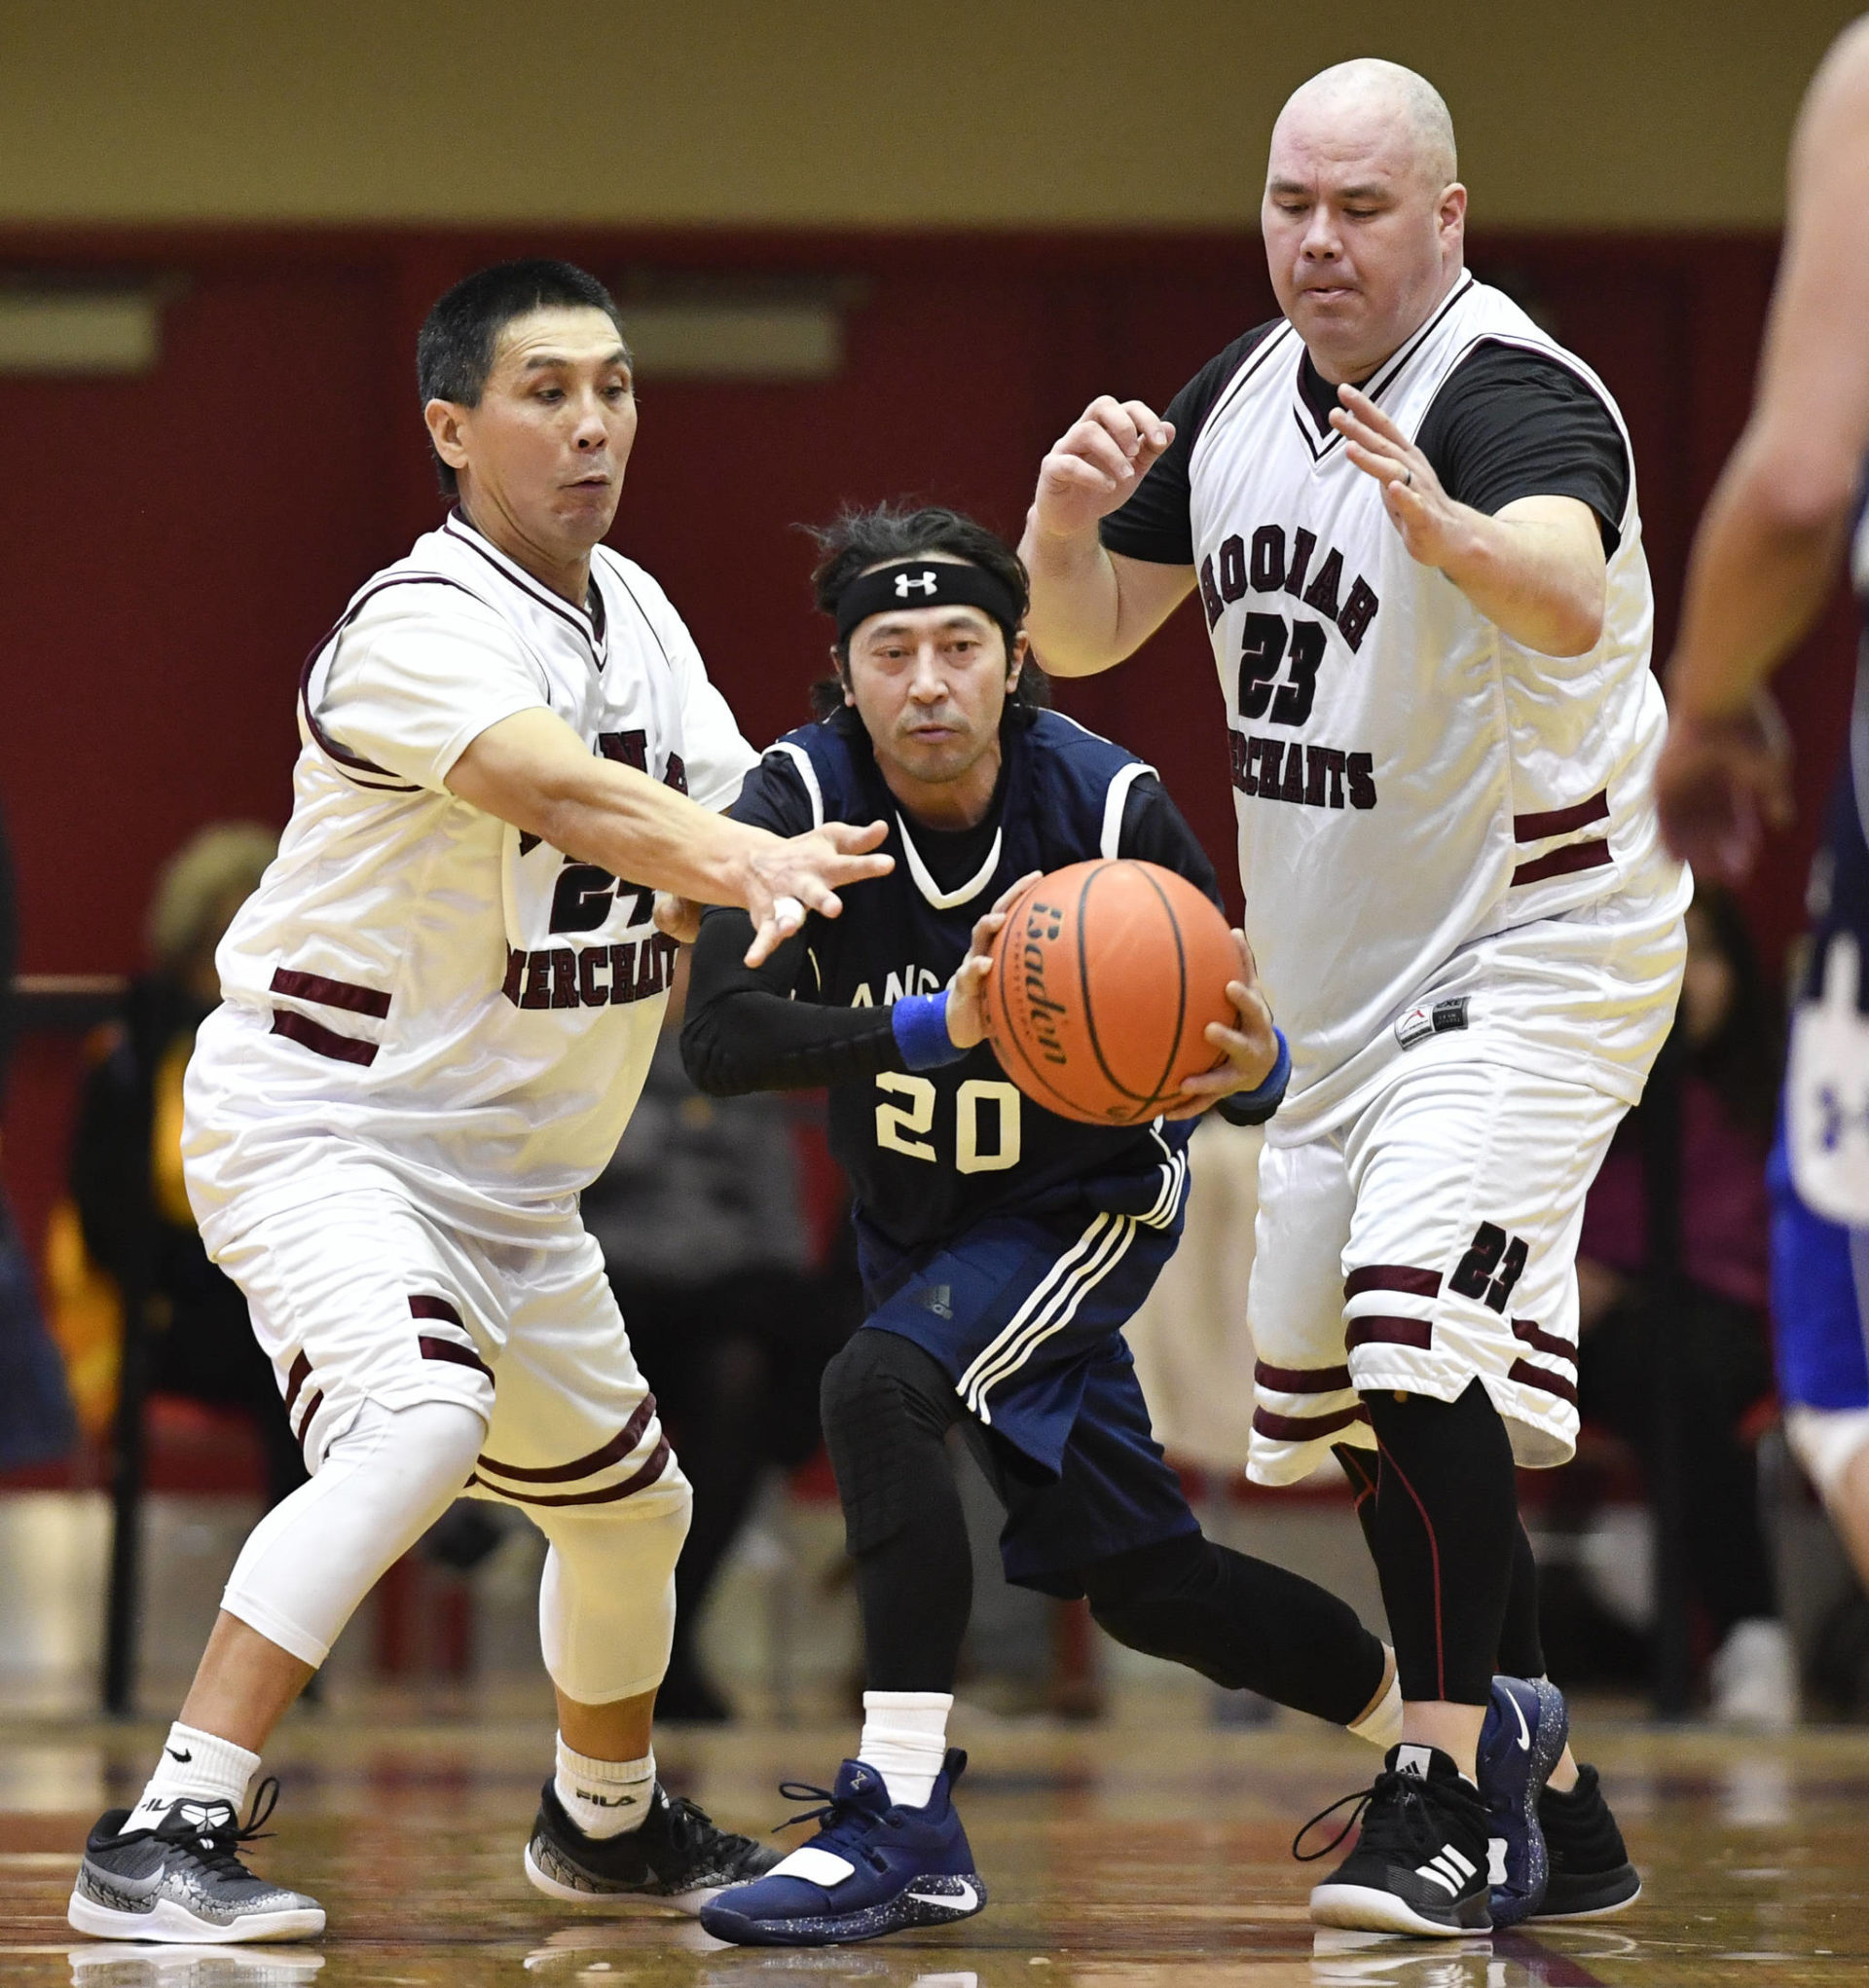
(1543, 1342)
(613, 1452)
(423, 1306)
(1561, 821)
(1302, 1380)
(1562, 862)
(454, 1353)
(330, 993)
(637, 1480)
(295, 1379)
(326, 1041)
(1392, 1278)
(1389, 1332)
(1305, 1428)
(1527, 1375)
(312, 1408)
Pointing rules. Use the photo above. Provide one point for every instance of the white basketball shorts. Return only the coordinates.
(1430, 1241)
(363, 1296)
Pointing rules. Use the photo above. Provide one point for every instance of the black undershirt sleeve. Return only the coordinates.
(1155, 524)
(1509, 424)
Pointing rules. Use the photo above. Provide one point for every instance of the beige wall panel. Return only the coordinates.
(1037, 113)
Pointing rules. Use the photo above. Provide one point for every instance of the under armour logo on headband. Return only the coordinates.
(903, 581)
(918, 582)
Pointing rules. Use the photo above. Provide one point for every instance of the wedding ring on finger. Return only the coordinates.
(787, 913)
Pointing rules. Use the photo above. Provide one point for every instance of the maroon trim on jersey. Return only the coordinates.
(1305, 1428)
(312, 1408)
(329, 993)
(1562, 862)
(613, 1452)
(1302, 1380)
(1542, 1342)
(1392, 1278)
(518, 576)
(453, 1353)
(295, 1379)
(641, 1479)
(1523, 1372)
(1561, 821)
(1389, 1332)
(324, 1042)
(435, 1308)
(348, 762)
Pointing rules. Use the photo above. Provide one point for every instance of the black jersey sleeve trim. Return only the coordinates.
(744, 1031)
(1154, 831)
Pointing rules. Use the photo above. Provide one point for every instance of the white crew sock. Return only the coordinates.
(194, 1766)
(905, 1740)
(605, 1798)
(1381, 1724)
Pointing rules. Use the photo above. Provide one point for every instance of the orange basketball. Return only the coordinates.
(1104, 977)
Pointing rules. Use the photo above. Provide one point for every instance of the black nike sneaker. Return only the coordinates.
(1422, 1862)
(1590, 1874)
(183, 1881)
(678, 1857)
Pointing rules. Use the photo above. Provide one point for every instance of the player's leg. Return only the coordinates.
(891, 1853)
(393, 1434)
(576, 1444)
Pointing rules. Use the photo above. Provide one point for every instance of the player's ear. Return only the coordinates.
(1015, 662)
(444, 419)
(840, 665)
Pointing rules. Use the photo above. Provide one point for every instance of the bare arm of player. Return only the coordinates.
(1766, 555)
(1091, 607)
(532, 770)
(1535, 570)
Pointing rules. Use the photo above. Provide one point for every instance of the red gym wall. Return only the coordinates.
(172, 545)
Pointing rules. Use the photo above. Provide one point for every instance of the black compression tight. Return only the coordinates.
(1521, 1646)
(1443, 1533)
(1249, 1625)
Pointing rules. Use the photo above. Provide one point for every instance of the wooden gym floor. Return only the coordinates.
(1147, 1853)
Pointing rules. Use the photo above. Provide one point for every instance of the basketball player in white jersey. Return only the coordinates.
(439, 1008)
(1789, 508)
(1409, 519)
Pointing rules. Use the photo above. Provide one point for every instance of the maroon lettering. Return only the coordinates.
(1210, 601)
(1326, 763)
(677, 775)
(1359, 610)
(626, 748)
(564, 977)
(1237, 743)
(1360, 767)
(1303, 544)
(1270, 751)
(1233, 568)
(538, 973)
(622, 971)
(515, 971)
(1294, 787)
(1321, 594)
(1269, 558)
(591, 992)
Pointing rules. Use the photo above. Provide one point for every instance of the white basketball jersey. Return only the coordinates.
(416, 987)
(1408, 780)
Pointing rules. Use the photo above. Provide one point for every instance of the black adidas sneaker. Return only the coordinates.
(183, 1881)
(1590, 1874)
(678, 1857)
(1422, 1862)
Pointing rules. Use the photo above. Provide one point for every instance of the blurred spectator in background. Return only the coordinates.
(703, 1220)
(36, 1425)
(1728, 1100)
(126, 1156)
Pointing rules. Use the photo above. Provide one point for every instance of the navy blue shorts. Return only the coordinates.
(1819, 1283)
(1026, 1315)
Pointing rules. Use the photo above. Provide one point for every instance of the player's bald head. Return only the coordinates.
(1369, 102)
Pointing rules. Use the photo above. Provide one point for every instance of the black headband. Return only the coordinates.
(927, 583)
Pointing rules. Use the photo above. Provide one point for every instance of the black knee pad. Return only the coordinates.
(886, 1406)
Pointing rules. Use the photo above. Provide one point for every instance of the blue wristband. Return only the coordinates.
(920, 1022)
(1273, 1088)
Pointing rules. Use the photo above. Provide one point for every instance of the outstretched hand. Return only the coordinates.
(1096, 464)
(1434, 527)
(1250, 1050)
(804, 873)
(967, 990)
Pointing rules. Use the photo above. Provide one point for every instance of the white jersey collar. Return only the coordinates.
(946, 900)
(455, 525)
(1380, 380)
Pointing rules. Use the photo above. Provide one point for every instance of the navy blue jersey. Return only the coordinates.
(931, 1152)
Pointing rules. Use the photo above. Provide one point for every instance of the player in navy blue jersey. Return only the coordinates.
(1001, 1246)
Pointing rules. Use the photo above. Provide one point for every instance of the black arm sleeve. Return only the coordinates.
(1509, 424)
(744, 1031)
(1153, 524)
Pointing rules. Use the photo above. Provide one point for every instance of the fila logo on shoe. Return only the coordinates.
(1447, 1867)
(609, 1801)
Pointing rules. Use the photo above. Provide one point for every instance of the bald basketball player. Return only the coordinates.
(1788, 508)
(1409, 519)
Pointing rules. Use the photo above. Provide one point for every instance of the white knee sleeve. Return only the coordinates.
(607, 1601)
(1825, 1441)
(317, 1553)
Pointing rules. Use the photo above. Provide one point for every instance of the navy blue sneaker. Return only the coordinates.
(872, 1868)
(1520, 1743)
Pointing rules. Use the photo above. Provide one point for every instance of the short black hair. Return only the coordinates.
(861, 538)
(455, 348)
